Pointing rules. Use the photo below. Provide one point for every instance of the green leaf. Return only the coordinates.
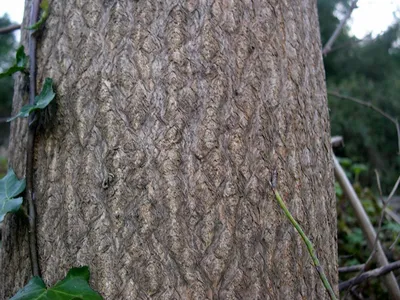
(338, 190)
(356, 237)
(21, 58)
(35, 289)
(46, 95)
(74, 286)
(41, 101)
(392, 226)
(345, 162)
(359, 168)
(44, 5)
(20, 63)
(10, 187)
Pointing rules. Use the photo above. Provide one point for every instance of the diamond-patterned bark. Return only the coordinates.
(154, 169)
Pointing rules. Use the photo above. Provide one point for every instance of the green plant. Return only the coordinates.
(75, 285)
(307, 241)
(21, 61)
(3, 166)
(44, 5)
(352, 244)
(10, 187)
(41, 101)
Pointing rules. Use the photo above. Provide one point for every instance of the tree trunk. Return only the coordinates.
(154, 167)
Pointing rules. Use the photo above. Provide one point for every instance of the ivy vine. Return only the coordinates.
(10, 187)
(76, 284)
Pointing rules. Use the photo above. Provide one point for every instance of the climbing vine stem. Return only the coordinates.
(76, 283)
(32, 124)
(306, 240)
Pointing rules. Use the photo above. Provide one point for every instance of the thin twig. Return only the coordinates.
(395, 242)
(10, 28)
(328, 46)
(306, 240)
(351, 43)
(375, 245)
(370, 274)
(337, 141)
(367, 228)
(351, 269)
(385, 203)
(394, 189)
(392, 215)
(4, 119)
(373, 107)
(385, 209)
(30, 144)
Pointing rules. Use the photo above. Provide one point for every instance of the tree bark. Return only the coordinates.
(153, 169)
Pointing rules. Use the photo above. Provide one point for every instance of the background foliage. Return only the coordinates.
(8, 46)
(369, 70)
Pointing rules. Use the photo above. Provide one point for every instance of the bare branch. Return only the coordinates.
(378, 182)
(367, 228)
(370, 274)
(391, 214)
(373, 107)
(395, 242)
(376, 242)
(393, 191)
(351, 269)
(10, 28)
(337, 141)
(4, 119)
(328, 46)
(352, 43)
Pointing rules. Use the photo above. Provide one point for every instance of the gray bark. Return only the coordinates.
(154, 167)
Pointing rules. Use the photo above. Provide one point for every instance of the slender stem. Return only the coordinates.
(367, 228)
(370, 274)
(376, 242)
(32, 52)
(308, 243)
(328, 46)
(31, 201)
(351, 269)
(10, 28)
(30, 144)
(351, 43)
(4, 119)
(373, 107)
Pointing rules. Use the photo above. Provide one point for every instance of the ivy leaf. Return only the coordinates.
(20, 63)
(10, 187)
(35, 289)
(74, 286)
(41, 101)
(44, 5)
(21, 58)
